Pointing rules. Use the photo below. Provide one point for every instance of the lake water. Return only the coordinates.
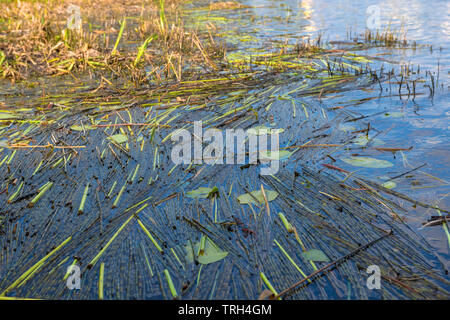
(417, 123)
(421, 123)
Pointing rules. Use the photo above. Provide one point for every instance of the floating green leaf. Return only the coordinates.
(81, 128)
(389, 184)
(247, 198)
(315, 255)
(202, 192)
(118, 138)
(211, 252)
(212, 255)
(394, 114)
(367, 162)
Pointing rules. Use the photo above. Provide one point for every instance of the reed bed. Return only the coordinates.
(36, 39)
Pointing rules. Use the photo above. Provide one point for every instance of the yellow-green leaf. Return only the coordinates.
(81, 128)
(202, 192)
(118, 138)
(389, 184)
(367, 162)
(211, 253)
(394, 114)
(315, 255)
(247, 198)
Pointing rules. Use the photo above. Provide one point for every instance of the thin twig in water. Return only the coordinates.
(330, 265)
(401, 175)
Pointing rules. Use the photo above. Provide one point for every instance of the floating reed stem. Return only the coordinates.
(119, 195)
(111, 190)
(150, 236)
(100, 281)
(268, 284)
(170, 283)
(93, 261)
(27, 275)
(14, 195)
(286, 223)
(289, 258)
(42, 191)
(83, 199)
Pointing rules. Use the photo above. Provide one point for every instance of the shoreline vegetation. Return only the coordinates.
(36, 40)
(150, 40)
(85, 131)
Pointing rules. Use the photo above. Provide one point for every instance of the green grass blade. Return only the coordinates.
(27, 275)
(122, 28)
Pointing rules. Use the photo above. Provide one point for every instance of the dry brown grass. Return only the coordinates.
(226, 5)
(35, 41)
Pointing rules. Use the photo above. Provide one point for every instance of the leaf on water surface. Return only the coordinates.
(367, 162)
(389, 184)
(212, 253)
(118, 138)
(3, 143)
(362, 140)
(247, 198)
(315, 255)
(261, 130)
(394, 114)
(202, 192)
(81, 128)
(268, 155)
